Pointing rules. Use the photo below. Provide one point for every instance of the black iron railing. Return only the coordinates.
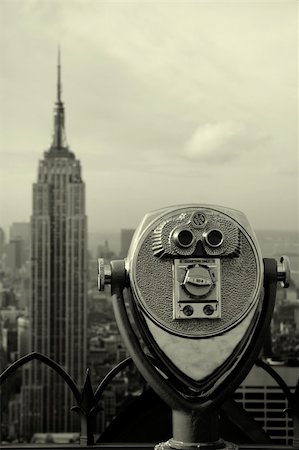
(87, 400)
(87, 405)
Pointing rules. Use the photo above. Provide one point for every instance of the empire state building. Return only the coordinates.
(59, 281)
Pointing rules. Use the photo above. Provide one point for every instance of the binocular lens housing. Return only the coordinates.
(213, 238)
(201, 256)
(183, 237)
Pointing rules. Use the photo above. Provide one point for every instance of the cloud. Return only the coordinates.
(222, 142)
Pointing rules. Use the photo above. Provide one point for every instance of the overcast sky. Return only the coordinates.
(166, 103)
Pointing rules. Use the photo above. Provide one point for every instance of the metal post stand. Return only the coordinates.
(193, 430)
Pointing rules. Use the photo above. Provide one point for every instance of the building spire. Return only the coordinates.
(58, 76)
(59, 139)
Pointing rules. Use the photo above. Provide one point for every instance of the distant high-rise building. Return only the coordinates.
(15, 255)
(105, 252)
(23, 336)
(58, 283)
(2, 241)
(8, 299)
(20, 230)
(9, 341)
(125, 241)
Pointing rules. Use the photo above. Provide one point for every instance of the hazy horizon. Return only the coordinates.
(117, 230)
(166, 103)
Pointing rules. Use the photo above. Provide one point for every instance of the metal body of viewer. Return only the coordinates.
(196, 289)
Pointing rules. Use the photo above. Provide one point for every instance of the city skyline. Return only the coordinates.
(167, 104)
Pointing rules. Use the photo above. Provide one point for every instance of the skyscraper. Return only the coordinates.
(58, 281)
(2, 242)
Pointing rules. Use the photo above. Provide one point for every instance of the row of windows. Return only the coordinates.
(268, 405)
(260, 395)
(260, 388)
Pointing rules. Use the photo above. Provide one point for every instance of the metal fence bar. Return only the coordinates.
(49, 362)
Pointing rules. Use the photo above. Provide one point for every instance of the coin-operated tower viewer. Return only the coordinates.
(193, 301)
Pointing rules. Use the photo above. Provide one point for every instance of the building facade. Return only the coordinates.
(20, 230)
(260, 395)
(15, 255)
(58, 283)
